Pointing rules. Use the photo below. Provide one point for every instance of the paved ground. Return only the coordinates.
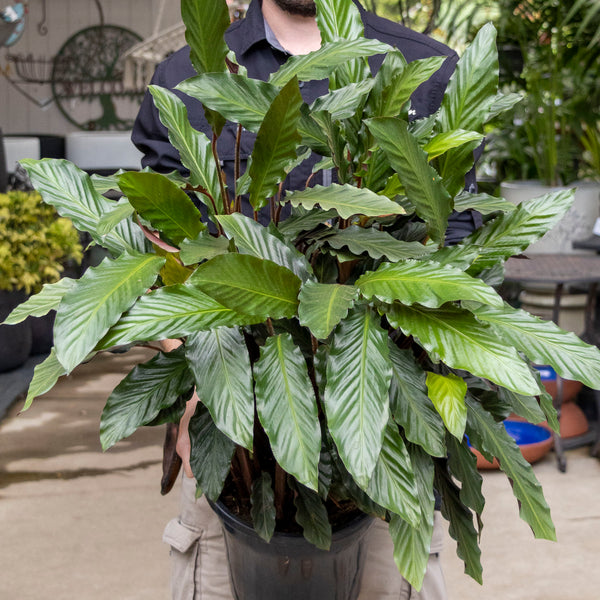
(79, 524)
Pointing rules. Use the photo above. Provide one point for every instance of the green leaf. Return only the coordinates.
(311, 515)
(510, 234)
(464, 343)
(163, 203)
(248, 284)
(463, 465)
(466, 103)
(346, 200)
(173, 272)
(221, 366)
(489, 436)
(109, 220)
(410, 405)
(319, 64)
(545, 343)
(422, 184)
(344, 102)
(393, 482)
(339, 19)
(206, 22)
(40, 304)
(211, 453)
(203, 247)
(263, 507)
(237, 98)
(287, 408)
(412, 544)
(145, 391)
(322, 306)
(45, 376)
(356, 394)
(376, 244)
(447, 392)
(194, 147)
(71, 191)
(254, 239)
(523, 406)
(171, 312)
(448, 140)
(425, 283)
(503, 103)
(483, 203)
(461, 526)
(96, 301)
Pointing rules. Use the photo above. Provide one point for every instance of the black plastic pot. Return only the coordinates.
(289, 567)
(15, 340)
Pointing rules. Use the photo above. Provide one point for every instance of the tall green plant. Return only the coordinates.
(341, 354)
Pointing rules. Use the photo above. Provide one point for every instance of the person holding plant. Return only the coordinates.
(272, 31)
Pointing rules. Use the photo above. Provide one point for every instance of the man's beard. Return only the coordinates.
(304, 8)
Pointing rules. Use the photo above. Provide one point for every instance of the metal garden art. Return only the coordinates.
(341, 355)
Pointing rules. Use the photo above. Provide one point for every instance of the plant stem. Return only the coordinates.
(280, 477)
(224, 193)
(236, 167)
(244, 461)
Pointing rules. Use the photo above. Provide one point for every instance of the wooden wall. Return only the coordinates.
(64, 18)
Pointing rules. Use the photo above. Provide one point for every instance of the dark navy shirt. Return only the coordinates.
(248, 38)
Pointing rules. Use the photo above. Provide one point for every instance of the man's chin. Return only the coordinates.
(303, 8)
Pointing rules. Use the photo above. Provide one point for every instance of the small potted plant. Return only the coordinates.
(343, 355)
(35, 245)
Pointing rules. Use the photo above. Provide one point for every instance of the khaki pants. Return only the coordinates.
(199, 563)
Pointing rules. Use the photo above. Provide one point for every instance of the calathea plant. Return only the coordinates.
(343, 353)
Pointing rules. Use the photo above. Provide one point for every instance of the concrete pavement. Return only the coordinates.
(79, 524)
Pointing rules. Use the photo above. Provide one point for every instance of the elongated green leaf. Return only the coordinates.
(237, 98)
(275, 145)
(344, 102)
(221, 366)
(461, 526)
(163, 203)
(422, 184)
(322, 306)
(319, 64)
(71, 191)
(466, 103)
(254, 239)
(287, 408)
(112, 218)
(425, 283)
(410, 405)
(96, 301)
(45, 376)
(448, 140)
(459, 256)
(311, 515)
(346, 200)
(356, 393)
(203, 247)
(194, 147)
(376, 244)
(40, 304)
(447, 392)
(304, 220)
(263, 507)
(545, 343)
(145, 391)
(173, 272)
(523, 406)
(206, 22)
(211, 453)
(248, 284)
(510, 234)
(502, 103)
(463, 465)
(393, 482)
(412, 544)
(483, 203)
(171, 312)
(489, 436)
(463, 343)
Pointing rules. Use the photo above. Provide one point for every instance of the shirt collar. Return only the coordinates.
(244, 34)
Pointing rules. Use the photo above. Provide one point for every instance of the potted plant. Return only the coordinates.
(343, 353)
(546, 142)
(35, 244)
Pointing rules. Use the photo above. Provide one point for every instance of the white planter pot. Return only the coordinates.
(577, 224)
